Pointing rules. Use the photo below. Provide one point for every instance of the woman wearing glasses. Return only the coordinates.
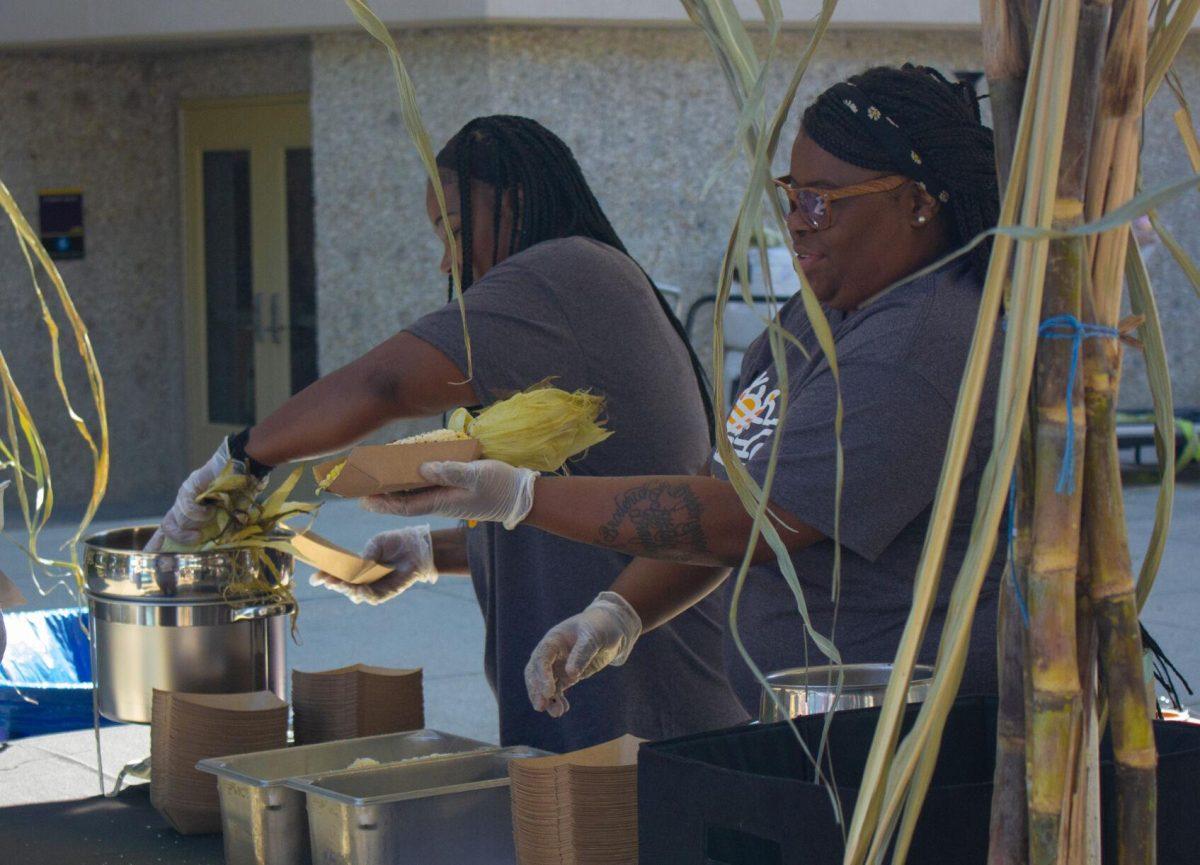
(891, 171)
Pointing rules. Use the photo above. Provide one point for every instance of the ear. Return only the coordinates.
(921, 207)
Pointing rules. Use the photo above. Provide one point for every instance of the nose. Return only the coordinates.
(797, 226)
(796, 223)
(445, 265)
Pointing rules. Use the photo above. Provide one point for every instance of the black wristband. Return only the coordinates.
(237, 451)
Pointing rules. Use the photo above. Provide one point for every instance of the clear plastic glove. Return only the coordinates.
(602, 635)
(485, 490)
(408, 551)
(186, 518)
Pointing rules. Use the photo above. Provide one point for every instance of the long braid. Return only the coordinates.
(550, 199)
(942, 121)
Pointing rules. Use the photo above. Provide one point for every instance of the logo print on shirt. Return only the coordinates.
(753, 420)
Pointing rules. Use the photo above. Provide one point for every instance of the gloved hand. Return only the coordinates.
(485, 490)
(187, 517)
(578, 647)
(408, 551)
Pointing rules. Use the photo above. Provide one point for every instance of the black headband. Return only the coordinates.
(889, 136)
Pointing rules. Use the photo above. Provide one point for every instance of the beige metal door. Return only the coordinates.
(250, 280)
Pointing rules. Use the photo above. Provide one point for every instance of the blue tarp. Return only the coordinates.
(46, 674)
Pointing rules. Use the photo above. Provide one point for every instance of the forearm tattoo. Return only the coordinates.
(660, 519)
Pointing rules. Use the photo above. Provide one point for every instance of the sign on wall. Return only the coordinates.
(61, 214)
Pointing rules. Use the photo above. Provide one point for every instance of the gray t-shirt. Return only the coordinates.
(583, 312)
(901, 360)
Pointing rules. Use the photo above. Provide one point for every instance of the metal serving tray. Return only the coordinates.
(439, 811)
(266, 823)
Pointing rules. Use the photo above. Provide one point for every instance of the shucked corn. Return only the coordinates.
(437, 435)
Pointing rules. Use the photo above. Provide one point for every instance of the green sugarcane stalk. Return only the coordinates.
(1054, 674)
(1115, 605)
(1053, 747)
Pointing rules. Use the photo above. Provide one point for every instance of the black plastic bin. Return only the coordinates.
(747, 795)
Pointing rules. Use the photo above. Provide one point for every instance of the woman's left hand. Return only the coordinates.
(484, 490)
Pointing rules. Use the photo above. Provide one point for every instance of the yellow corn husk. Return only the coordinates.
(540, 428)
(242, 521)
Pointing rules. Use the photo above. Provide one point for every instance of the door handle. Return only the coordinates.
(275, 328)
(256, 318)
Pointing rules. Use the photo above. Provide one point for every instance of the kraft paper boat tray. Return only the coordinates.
(439, 811)
(266, 823)
(375, 469)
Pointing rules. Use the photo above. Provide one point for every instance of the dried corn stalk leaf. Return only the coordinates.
(241, 521)
(411, 112)
(744, 75)
(36, 511)
(1154, 352)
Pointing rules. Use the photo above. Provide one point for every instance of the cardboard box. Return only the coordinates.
(324, 555)
(375, 469)
(10, 595)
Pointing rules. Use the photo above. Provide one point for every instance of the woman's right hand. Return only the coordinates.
(408, 551)
(602, 635)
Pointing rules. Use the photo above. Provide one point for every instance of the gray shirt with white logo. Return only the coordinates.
(901, 359)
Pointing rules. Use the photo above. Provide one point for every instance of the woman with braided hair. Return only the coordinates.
(549, 291)
(891, 171)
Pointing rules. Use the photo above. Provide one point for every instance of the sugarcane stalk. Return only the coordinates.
(1115, 606)
(1009, 831)
(1007, 33)
(1116, 146)
(1055, 701)
(1055, 705)
(1085, 805)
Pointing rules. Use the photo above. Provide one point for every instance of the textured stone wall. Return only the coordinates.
(1164, 160)
(108, 122)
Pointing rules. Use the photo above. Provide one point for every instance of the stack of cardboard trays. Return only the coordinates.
(578, 808)
(187, 728)
(356, 701)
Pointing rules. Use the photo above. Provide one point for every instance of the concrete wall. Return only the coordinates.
(49, 22)
(107, 122)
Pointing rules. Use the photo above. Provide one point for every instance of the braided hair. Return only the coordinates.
(550, 198)
(933, 134)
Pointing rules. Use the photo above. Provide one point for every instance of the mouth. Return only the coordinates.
(808, 259)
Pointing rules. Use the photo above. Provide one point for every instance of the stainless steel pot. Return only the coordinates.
(160, 621)
(815, 690)
(116, 567)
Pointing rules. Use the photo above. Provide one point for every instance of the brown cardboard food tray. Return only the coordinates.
(324, 555)
(376, 469)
